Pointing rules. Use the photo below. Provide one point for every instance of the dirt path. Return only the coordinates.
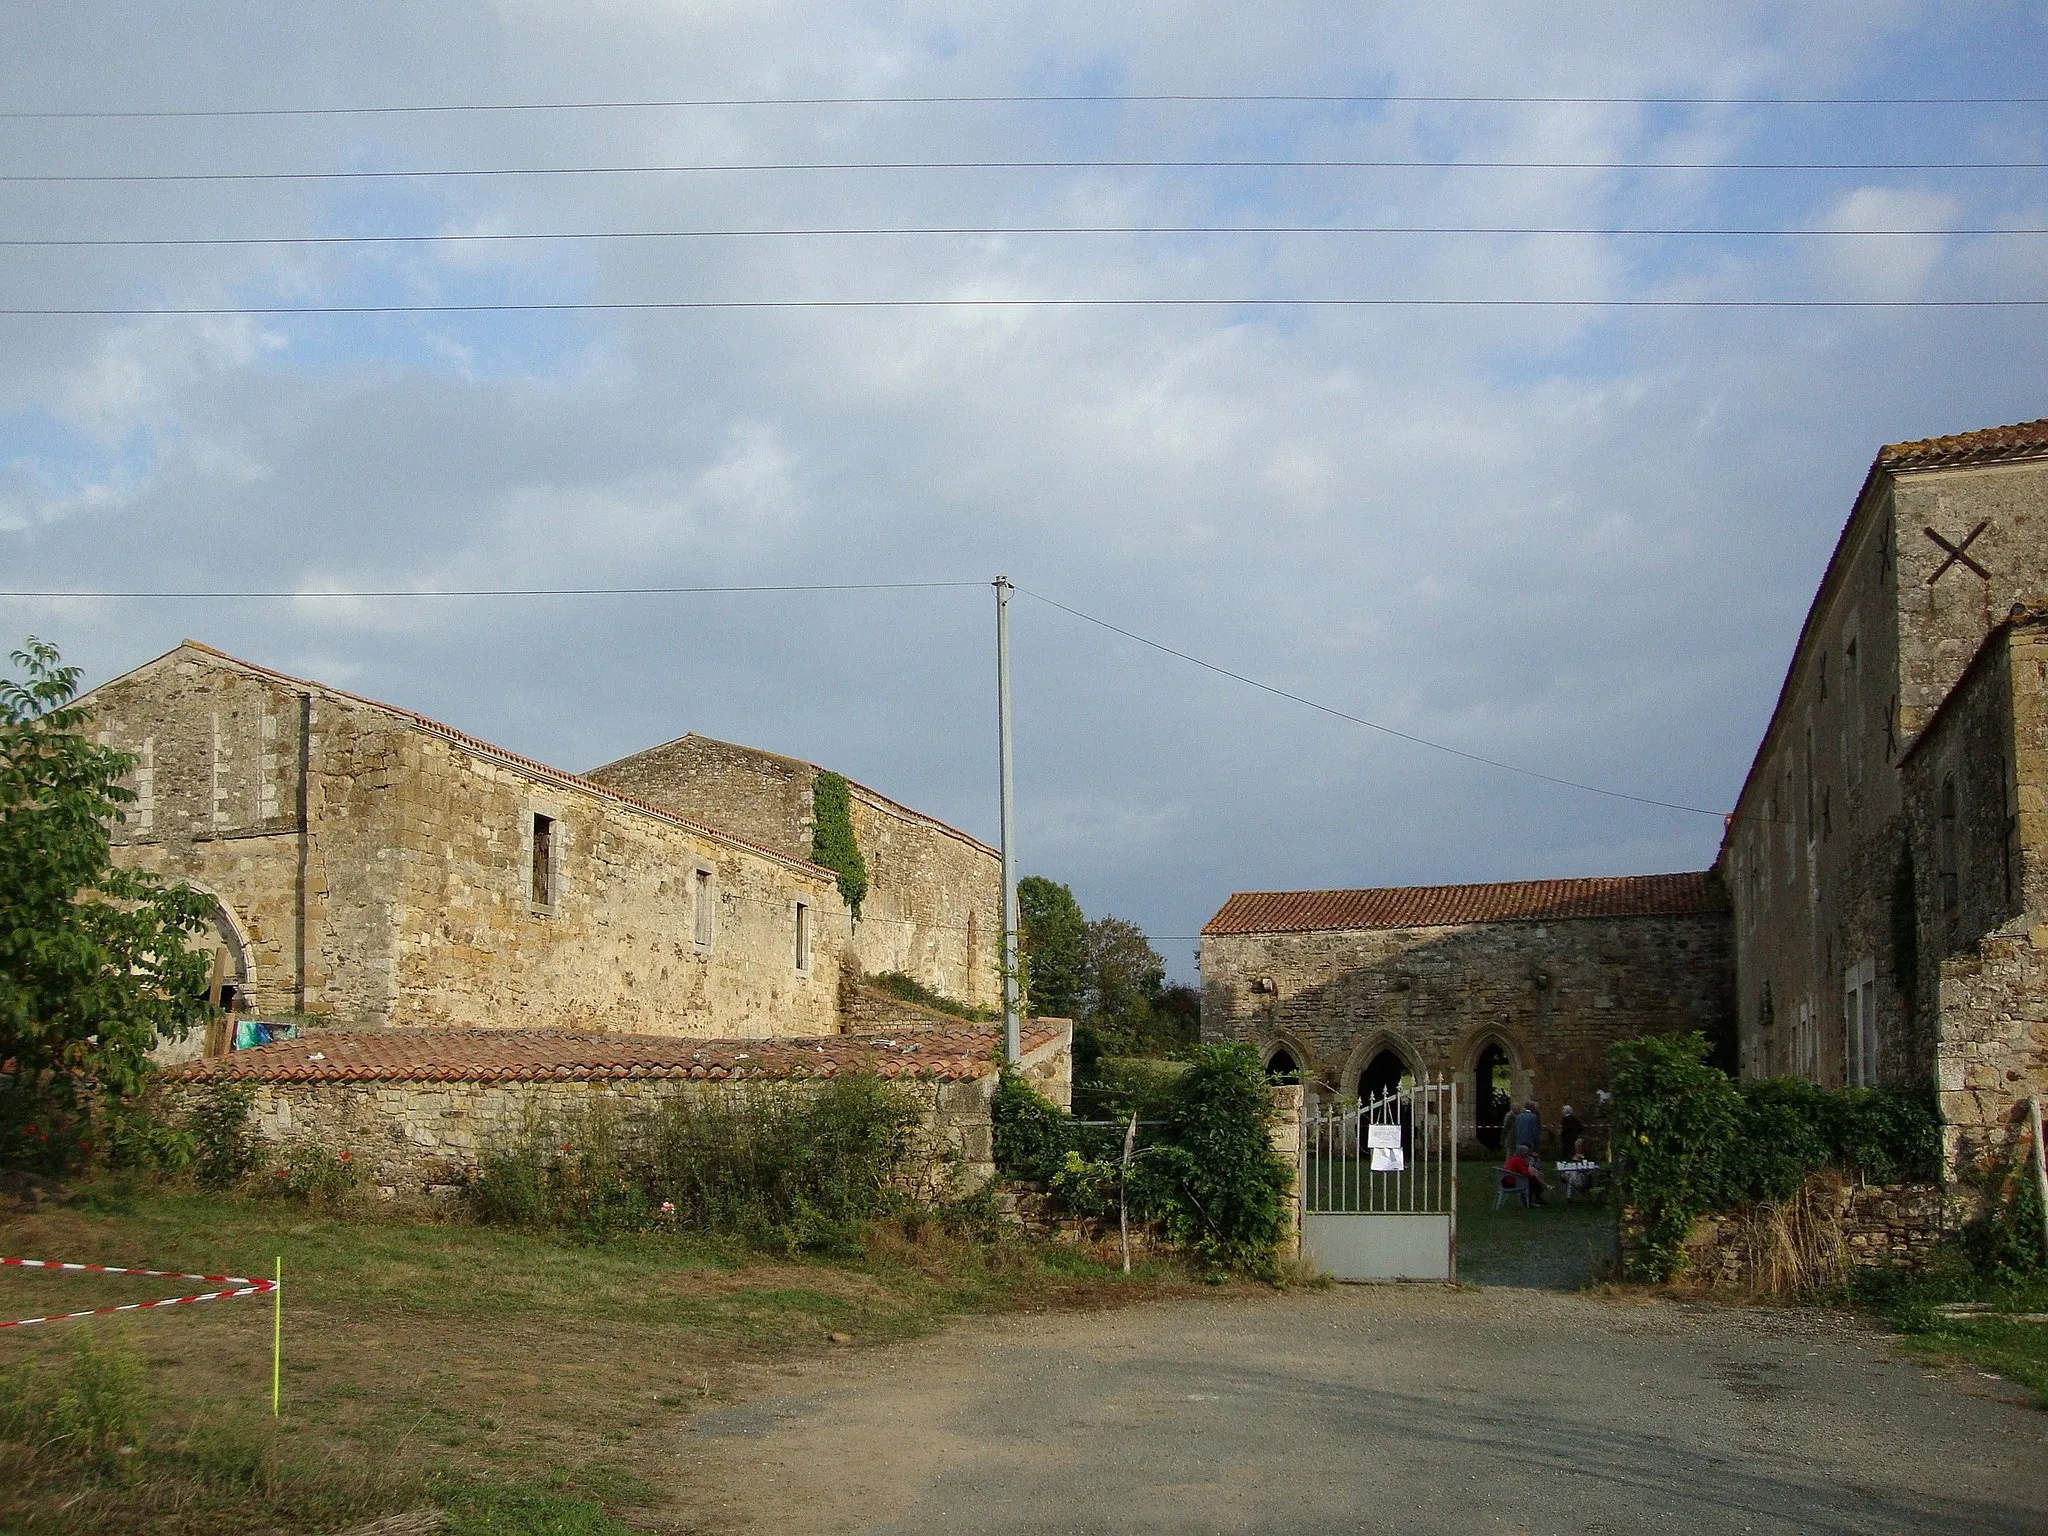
(1382, 1409)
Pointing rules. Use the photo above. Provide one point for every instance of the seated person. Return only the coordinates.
(1524, 1163)
(1577, 1181)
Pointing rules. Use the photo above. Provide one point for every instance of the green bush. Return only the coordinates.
(780, 1165)
(1121, 1086)
(832, 841)
(224, 1150)
(314, 1175)
(1209, 1176)
(135, 1140)
(1688, 1140)
(910, 990)
(98, 1409)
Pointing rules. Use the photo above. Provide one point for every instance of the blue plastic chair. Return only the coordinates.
(1510, 1186)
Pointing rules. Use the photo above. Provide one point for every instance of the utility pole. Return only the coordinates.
(1013, 1040)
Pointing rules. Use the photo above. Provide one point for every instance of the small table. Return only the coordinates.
(1579, 1176)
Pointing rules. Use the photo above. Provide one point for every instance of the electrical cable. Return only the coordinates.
(830, 586)
(1019, 99)
(711, 305)
(95, 242)
(135, 177)
(1374, 725)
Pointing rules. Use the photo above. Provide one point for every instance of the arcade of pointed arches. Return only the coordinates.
(1491, 1065)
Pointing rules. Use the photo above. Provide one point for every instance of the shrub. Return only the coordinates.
(1210, 1178)
(781, 1165)
(134, 1139)
(909, 989)
(97, 1410)
(310, 1173)
(1687, 1140)
(224, 1150)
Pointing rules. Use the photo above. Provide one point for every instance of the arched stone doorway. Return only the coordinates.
(1493, 1079)
(1281, 1067)
(1386, 1071)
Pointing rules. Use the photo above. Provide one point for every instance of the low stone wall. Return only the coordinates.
(1033, 1209)
(1830, 1228)
(421, 1137)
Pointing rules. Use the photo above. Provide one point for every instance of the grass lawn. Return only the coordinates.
(1558, 1244)
(519, 1381)
(1995, 1341)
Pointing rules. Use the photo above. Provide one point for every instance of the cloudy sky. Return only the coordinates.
(1576, 539)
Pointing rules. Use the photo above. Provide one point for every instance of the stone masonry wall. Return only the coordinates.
(1982, 891)
(1814, 848)
(410, 876)
(1553, 994)
(934, 904)
(1897, 1225)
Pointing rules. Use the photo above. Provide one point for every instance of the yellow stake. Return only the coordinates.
(277, 1336)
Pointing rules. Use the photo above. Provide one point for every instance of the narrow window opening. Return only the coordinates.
(803, 936)
(701, 887)
(1949, 896)
(543, 860)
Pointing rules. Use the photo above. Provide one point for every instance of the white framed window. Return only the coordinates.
(703, 907)
(803, 936)
(1859, 1024)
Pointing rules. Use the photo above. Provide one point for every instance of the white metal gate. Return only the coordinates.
(1379, 1186)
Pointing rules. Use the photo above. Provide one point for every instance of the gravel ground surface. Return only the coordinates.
(1376, 1409)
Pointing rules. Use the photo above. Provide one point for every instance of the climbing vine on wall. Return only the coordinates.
(832, 840)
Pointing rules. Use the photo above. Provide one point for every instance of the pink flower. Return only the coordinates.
(344, 1157)
(668, 1207)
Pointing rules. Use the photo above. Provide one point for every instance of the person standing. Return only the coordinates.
(1569, 1131)
(1528, 1127)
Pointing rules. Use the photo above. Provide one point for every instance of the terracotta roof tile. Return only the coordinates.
(1431, 906)
(2023, 440)
(541, 1055)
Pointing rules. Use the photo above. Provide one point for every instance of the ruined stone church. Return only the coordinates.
(1878, 909)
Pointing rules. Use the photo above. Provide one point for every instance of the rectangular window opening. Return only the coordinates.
(543, 860)
(803, 936)
(701, 889)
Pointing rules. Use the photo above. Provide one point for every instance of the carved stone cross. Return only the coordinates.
(1958, 554)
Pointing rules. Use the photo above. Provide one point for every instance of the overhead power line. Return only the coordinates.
(1388, 98)
(94, 242)
(223, 593)
(1372, 725)
(128, 178)
(1248, 302)
(219, 594)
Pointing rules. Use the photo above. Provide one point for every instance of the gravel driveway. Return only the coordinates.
(1376, 1409)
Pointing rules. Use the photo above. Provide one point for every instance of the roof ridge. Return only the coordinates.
(1425, 906)
(2018, 440)
(505, 754)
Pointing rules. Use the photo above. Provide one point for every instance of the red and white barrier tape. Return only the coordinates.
(239, 1286)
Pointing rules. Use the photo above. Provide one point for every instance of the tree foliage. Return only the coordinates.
(94, 968)
(1053, 945)
(833, 844)
(1209, 1176)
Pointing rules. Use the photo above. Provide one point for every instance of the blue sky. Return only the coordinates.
(1580, 540)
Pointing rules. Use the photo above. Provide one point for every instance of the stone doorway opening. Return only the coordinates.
(1493, 1079)
(1385, 1073)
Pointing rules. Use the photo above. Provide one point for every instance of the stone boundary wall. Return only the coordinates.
(1890, 1225)
(423, 1141)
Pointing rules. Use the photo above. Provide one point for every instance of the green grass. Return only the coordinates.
(1559, 1244)
(453, 1364)
(1993, 1341)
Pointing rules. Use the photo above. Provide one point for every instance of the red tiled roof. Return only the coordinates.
(1433, 906)
(546, 1055)
(2023, 440)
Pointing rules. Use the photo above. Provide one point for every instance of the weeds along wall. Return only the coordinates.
(420, 1140)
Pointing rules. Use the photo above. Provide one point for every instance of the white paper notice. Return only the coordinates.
(1387, 1159)
(1383, 1136)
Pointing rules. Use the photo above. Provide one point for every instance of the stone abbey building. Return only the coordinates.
(374, 868)
(1878, 911)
